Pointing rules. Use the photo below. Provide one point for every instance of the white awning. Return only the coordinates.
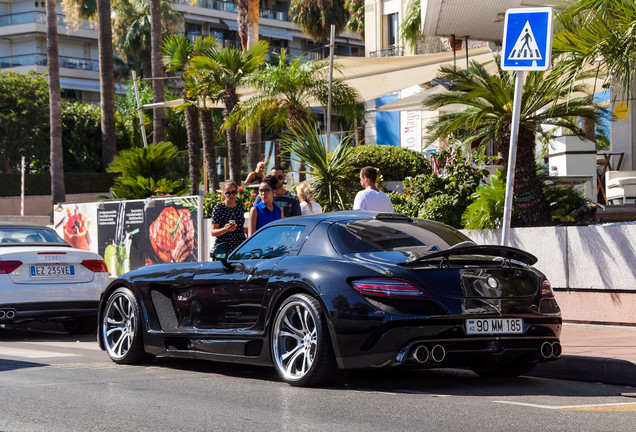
(378, 76)
(87, 85)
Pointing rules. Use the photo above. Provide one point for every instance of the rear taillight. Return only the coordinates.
(7, 267)
(394, 288)
(95, 265)
(546, 289)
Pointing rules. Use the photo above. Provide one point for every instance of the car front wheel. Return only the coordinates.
(301, 347)
(121, 328)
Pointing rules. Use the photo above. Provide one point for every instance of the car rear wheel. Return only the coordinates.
(508, 370)
(121, 328)
(301, 346)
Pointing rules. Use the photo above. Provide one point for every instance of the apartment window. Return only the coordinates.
(391, 30)
(193, 29)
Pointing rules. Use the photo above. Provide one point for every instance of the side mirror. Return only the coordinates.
(219, 253)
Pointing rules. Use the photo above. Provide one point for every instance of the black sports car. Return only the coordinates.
(315, 294)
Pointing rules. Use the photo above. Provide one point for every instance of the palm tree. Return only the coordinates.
(58, 193)
(315, 17)
(158, 88)
(411, 28)
(82, 10)
(489, 98)
(132, 27)
(177, 52)
(356, 17)
(603, 33)
(224, 70)
(331, 172)
(286, 91)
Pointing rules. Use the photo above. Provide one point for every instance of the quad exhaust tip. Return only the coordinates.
(7, 314)
(551, 350)
(438, 353)
(421, 354)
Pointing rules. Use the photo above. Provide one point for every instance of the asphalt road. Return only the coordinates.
(52, 381)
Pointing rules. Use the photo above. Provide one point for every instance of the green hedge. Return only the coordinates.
(394, 163)
(40, 184)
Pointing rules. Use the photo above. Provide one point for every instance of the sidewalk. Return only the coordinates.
(597, 353)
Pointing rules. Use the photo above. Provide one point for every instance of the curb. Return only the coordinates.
(590, 369)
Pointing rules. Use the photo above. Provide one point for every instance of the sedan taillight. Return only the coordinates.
(95, 265)
(7, 267)
(546, 289)
(394, 288)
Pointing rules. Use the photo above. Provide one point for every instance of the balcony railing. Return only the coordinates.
(231, 7)
(393, 51)
(41, 60)
(37, 17)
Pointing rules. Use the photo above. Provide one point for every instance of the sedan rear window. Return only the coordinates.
(377, 235)
(14, 236)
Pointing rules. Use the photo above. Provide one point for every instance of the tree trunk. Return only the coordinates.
(209, 150)
(253, 137)
(242, 7)
(194, 147)
(589, 128)
(55, 106)
(529, 201)
(158, 92)
(230, 99)
(106, 82)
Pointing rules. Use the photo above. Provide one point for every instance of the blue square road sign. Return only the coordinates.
(527, 40)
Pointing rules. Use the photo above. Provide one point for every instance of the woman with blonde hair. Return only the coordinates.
(306, 196)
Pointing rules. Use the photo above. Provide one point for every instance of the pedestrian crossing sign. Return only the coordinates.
(527, 39)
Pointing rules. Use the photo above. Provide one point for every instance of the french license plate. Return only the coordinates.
(494, 326)
(52, 271)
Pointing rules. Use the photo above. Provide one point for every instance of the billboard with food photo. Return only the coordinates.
(133, 233)
(143, 232)
(76, 224)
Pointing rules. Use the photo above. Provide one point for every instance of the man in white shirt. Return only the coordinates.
(370, 198)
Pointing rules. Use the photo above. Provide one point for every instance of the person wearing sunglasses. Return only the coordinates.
(265, 211)
(228, 218)
(282, 197)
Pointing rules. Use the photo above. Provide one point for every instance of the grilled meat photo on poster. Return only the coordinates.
(172, 235)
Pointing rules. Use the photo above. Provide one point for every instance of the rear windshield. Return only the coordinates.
(16, 236)
(376, 235)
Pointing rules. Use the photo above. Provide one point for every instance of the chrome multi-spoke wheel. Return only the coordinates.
(301, 347)
(120, 328)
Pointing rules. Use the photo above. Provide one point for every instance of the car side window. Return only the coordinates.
(272, 242)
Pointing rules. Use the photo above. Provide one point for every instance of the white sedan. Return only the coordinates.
(43, 278)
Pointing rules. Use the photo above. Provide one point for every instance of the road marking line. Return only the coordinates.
(593, 407)
(74, 345)
(32, 354)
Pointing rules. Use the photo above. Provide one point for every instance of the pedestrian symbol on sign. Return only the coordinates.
(526, 47)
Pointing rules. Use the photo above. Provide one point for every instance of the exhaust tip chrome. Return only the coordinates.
(546, 350)
(438, 353)
(2, 314)
(556, 349)
(421, 354)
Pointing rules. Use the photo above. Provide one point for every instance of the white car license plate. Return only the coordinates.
(52, 271)
(494, 326)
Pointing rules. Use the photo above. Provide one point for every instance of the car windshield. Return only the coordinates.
(376, 235)
(23, 235)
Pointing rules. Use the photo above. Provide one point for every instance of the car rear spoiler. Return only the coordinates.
(505, 252)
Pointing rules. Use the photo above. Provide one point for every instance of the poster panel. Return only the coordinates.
(135, 233)
(77, 225)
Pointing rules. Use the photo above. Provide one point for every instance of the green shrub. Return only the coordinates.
(393, 163)
(148, 171)
(486, 211)
(444, 208)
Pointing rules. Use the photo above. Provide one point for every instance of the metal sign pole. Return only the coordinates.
(141, 117)
(331, 46)
(512, 157)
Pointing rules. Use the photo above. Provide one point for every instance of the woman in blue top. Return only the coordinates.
(265, 211)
